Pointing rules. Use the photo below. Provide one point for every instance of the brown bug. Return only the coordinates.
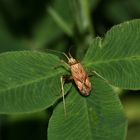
(79, 75)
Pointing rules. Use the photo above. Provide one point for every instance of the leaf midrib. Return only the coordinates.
(30, 82)
(132, 58)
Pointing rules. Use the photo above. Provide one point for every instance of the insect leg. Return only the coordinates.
(100, 76)
(62, 79)
(62, 89)
(63, 64)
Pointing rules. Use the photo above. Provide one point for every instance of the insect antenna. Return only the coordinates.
(53, 51)
(70, 53)
(66, 55)
(57, 52)
(100, 76)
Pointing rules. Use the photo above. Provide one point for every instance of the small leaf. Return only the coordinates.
(96, 117)
(29, 81)
(117, 56)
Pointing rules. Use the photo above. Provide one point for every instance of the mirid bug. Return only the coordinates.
(79, 75)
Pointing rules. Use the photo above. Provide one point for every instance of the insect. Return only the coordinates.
(79, 75)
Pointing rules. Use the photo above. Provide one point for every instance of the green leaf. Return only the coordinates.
(117, 56)
(96, 117)
(29, 81)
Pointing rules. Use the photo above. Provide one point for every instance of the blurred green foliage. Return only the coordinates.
(41, 24)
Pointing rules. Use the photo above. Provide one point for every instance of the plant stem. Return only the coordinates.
(85, 15)
(82, 15)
